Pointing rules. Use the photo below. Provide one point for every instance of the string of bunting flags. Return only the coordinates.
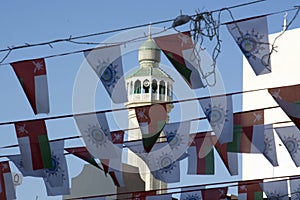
(232, 132)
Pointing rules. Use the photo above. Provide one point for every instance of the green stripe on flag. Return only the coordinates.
(180, 67)
(258, 196)
(209, 160)
(297, 102)
(45, 151)
(150, 139)
(234, 146)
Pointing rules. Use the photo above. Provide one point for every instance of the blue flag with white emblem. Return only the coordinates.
(107, 63)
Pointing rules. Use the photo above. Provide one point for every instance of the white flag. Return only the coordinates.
(252, 37)
(107, 63)
(276, 189)
(56, 178)
(269, 147)
(96, 135)
(290, 136)
(218, 111)
(191, 193)
(177, 135)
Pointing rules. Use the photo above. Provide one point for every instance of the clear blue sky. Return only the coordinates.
(35, 21)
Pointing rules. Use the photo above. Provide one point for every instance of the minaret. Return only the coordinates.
(147, 85)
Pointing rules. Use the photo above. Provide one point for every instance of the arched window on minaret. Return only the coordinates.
(131, 87)
(137, 87)
(146, 86)
(162, 89)
(154, 86)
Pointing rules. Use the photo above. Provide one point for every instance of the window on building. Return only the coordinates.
(137, 87)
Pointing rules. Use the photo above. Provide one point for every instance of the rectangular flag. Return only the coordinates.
(295, 187)
(250, 190)
(82, 153)
(179, 49)
(270, 147)
(96, 135)
(34, 144)
(276, 189)
(251, 35)
(6, 182)
(214, 193)
(290, 136)
(152, 119)
(288, 98)
(248, 132)
(33, 78)
(229, 159)
(56, 178)
(107, 63)
(218, 111)
(201, 154)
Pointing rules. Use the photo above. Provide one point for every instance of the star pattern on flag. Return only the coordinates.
(243, 188)
(117, 137)
(22, 129)
(292, 144)
(221, 192)
(276, 94)
(216, 115)
(4, 167)
(97, 135)
(38, 66)
(141, 114)
(258, 117)
(56, 166)
(268, 146)
(185, 40)
(107, 71)
(250, 43)
(273, 195)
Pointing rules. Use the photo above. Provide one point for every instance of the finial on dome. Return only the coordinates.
(149, 31)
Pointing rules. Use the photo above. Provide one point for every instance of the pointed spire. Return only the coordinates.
(149, 31)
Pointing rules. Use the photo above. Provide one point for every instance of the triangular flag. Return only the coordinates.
(295, 187)
(270, 148)
(33, 78)
(56, 178)
(290, 136)
(288, 99)
(251, 35)
(218, 111)
(179, 49)
(229, 159)
(188, 193)
(113, 166)
(276, 189)
(250, 190)
(34, 144)
(177, 135)
(6, 182)
(152, 120)
(215, 193)
(107, 63)
(201, 154)
(248, 132)
(84, 154)
(96, 135)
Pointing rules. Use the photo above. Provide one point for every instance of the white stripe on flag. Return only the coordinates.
(258, 142)
(192, 160)
(9, 186)
(190, 61)
(24, 144)
(41, 94)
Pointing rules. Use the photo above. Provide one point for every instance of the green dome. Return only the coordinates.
(155, 72)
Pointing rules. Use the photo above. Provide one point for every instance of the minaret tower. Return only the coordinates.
(147, 85)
